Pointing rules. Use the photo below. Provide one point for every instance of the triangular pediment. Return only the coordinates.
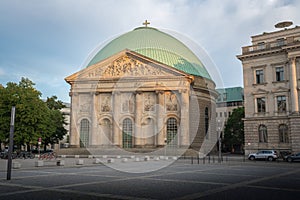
(260, 91)
(280, 89)
(125, 64)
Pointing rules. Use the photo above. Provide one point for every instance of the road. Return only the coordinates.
(179, 180)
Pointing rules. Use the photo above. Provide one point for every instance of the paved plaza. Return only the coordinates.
(230, 180)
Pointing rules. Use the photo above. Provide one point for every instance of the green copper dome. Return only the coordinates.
(156, 45)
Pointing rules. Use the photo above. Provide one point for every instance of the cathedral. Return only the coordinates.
(143, 90)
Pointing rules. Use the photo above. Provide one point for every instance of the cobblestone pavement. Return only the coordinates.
(179, 180)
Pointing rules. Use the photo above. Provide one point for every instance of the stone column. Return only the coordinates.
(116, 117)
(95, 134)
(293, 86)
(138, 119)
(184, 115)
(74, 130)
(160, 119)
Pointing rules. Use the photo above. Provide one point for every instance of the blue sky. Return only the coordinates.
(48, 40)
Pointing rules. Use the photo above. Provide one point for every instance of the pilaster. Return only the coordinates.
(293, 86)
(94, 135)
(160, 118)
(116, 117)
(74, 130)
(184, 122)
(138, 119)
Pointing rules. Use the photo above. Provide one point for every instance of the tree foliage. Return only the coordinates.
(34, 117)
(234, 129)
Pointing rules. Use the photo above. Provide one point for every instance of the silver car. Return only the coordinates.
(269, 155)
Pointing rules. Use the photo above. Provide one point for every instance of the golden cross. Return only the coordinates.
(146, 23)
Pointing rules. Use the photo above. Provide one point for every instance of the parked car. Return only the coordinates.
(269, 155)
(293, 157)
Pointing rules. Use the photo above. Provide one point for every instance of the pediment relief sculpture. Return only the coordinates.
(126, 66)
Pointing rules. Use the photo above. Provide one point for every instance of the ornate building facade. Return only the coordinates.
(144, 89)
(271, 71)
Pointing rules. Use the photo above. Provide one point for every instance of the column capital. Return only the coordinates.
(116, 92)
(159, 91)
(293, 58)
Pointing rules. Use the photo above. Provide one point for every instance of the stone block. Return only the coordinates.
(156, 158)
(104, 156)
(16, 165)
(146, 158)
(39, 163)
(97, 161)
(137, 160)
(132, 157)
(79, 162)
(63, 156)
(110, 160)
(90, 156)
(76, 156)
(124, 160)
(60, 163)
(118, 157)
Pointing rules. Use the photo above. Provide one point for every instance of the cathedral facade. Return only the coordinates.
(144, 89)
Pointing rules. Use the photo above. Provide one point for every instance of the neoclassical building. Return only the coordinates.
(271, 69)
(144, 89)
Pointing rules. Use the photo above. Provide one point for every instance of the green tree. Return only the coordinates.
(56, 122)
(234, 130)
(34, 117)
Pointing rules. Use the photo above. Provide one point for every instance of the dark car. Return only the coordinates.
(292, 157)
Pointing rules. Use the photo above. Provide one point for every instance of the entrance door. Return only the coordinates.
(172, 139)
(127, 133)
(84, 132)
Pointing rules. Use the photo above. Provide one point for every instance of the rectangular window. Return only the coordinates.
(261, 46)
(280, 42)
(279, 74)
(220, 114)
(261, 105)
(259, 76)
(281, 104)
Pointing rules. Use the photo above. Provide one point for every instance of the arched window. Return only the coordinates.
(172, 131)
(127, 133)
(84, 132)
(283, 133)
(206, 118)
(263, 135)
